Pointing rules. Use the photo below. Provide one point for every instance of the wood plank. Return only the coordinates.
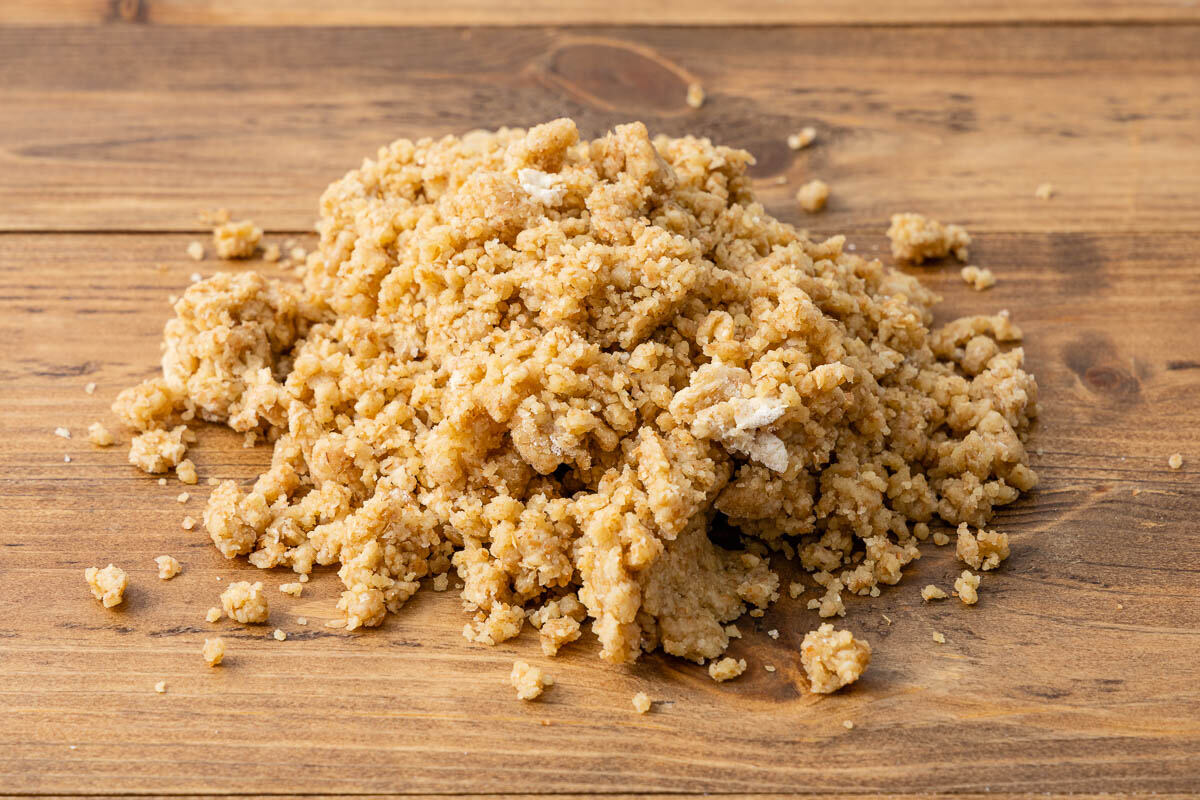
(274, 13)
(136, 128)
(1075, 673)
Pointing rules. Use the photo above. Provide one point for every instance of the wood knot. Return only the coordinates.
(1095, 361)
(618, 76)
(127, 11)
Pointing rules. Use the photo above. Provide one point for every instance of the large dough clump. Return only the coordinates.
(555, 365)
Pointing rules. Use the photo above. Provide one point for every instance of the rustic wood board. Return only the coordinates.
(1075, 673)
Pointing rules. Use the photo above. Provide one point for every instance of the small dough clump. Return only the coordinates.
(983, 550)
(641, 703)
(168, 567)
(932, 592)
(916, 238)
(529, 681)
(978, 279)
(245, 602)
(158, 450)
(967, 587)
(551, 365)
(213, 651)
(726, 669)
(237, 239)
(812, 196)
(107, 585)
(100, 435)
(833, 659)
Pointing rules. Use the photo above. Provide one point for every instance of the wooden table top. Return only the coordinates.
(1079, 670)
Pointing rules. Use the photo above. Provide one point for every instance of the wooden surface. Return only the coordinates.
(1078, 670)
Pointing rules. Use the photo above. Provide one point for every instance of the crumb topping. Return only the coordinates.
(915, 238)
(107, 585)
(529, 681)
(833, 658)
(168, 567)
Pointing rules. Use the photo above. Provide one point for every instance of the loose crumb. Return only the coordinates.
(213, 615)
(245, 602)
(812, 196)
(188, 523)
(66, 459)
(216, 216)
(757, 612)
(297, 253)
(1175, 461)
(932, 592)
(213, 651)
(100, 435)
(695, 95)
(162, 481)
(726, 669)
(848, 724)
(279, 635)
(441, 582)
(237, 239)
(271, 253)
(212, 481)
(195, 277)
(1044, 191)
(978, 279)
(773, 633)
(158, 450)
(941, 539)
(182, 497)
(90, 388)
(733, 632)
(806, 136)
(915, 238)
(967, 587)
(833, 659)
(641, 703)
(301, 620)
(795, 589)
(186, 472)
(161, 687)
(168, 567)
(62, 433)
(769, 667)
(294, 588)
(983, 550)
(107, 585)
(939, 638)
(195, 251)
(529, 681)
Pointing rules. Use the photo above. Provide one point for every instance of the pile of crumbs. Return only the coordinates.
(548, 364)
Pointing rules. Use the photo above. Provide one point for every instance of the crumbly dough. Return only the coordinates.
(245, 602)
(832, 658)
(983, 550)
(186, 472)
(168, 567)
(158, 450)
(812, 196)
(967, 587)
(100, 435)
(726, 669)
(802, 139)
(978, 279)
(529, 681)
(1175, 461)
(294, 588)
(237, 239)
(915, 238)
(641, 703)
(213, 614)
(107, 585)
(213, 651)
(549, 364)
(695, 95)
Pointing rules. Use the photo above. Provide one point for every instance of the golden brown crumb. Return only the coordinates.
(213, 614)
(733, 632)
(107, 585)
(978, 279)
(695, 95)
(161, 687)
(186, 472)
(195, 251)
(301, 620)
(932, 592)
(245, 602)
(967, 587)
(833, 659)
(795, 589)
(213, 651)
(294, 588)
(168, 567)
(915, 238)
(237, 239)
(1044, 191)
(548, 363)
(812, 196)
(271, 253)
(441, 582)
(1175, 461)
(848, 724)
(939, 638)
(984, 550)
(798, 141)
(188, 523)
(773, 633)
(641, 703)
(89, 387)
(279, 635)
(157, 450)
(529, 681)
(182, 497)
(769, 667)
(99, 435)
(62, 433)
(726, 669)
(941, 539)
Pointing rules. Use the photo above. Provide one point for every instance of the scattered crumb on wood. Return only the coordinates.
(967, 587)
(932, 592)
(182, 497)
(806, 136)
(695, 95)
(939, 638)
(161, 687)
(915, 238)
(941, 539)
(529, 681)
(813, 195)
(213, 651)
(1044, 191)
(1175, 461)
(100, 435)
(62, 433)
(90, 388)
(726, 669)
(271, 253)
(641, 703)
(108, 585)
(279, 635)
(188, 523)
(195, 251)
(294, 588)
(236, 239)
(186, 472)
(168, 567)
(213, 614)
(978, 279)
(848, 724)
(795, 589)
(773, 633)
(833, 659)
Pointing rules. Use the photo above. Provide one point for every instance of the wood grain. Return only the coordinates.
(136, 128)
(1075, 673)
(590, 12)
